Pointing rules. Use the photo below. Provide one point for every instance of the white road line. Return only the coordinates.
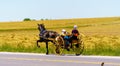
(41, 54)
(17, 53)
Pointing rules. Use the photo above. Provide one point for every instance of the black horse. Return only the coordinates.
(46, 36)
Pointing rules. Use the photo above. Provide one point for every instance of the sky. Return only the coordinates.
(17, 10)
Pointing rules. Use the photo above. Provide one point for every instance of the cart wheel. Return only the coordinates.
(78, 48)
(59, 45)
(59, 50)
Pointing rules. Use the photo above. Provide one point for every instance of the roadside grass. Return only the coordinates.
(21, 48)
(102, 45)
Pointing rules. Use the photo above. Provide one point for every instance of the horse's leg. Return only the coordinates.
(47, 48)
(41, 40)
(38, 44)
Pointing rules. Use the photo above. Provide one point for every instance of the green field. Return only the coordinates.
(101, 36)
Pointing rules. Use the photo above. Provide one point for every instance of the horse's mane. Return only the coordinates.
(42, 26)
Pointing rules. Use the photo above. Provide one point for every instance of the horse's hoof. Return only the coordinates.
(77, 54)
(38, 46)
(68, 49)
(46, 53)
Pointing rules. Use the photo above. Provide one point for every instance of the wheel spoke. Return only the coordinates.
(59, 45)
(78, 48)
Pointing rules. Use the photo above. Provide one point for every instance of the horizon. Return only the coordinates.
(64, 19)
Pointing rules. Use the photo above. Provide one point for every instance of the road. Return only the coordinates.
(30, 59)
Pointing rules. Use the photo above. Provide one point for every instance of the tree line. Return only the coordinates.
(28, 19)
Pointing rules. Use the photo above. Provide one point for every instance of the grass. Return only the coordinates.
(102, 45)
(101, 35)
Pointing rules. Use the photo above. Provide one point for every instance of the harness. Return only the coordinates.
(42, 33)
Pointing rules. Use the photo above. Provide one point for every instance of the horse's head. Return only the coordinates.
(41, 27)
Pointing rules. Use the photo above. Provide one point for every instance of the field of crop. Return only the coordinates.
(101, 36)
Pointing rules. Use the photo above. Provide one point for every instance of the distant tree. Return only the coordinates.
(42, 19)
(27, 19)
(46, 19)
(33, 20)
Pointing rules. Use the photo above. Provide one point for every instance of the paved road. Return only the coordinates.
(26, 59)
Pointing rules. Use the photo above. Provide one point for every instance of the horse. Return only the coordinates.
(49, 36)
